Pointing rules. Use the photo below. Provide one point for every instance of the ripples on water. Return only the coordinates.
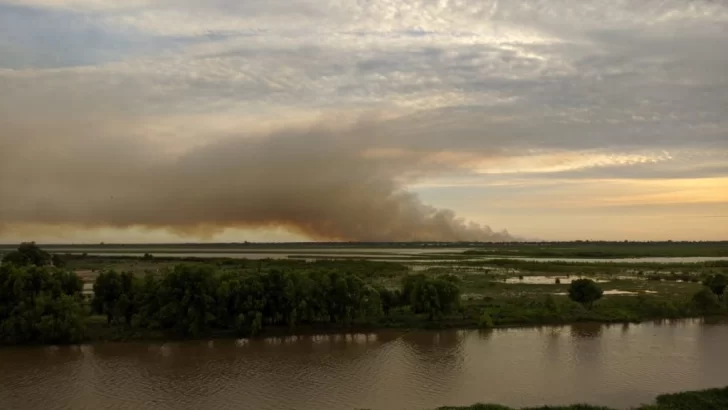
(619, 365)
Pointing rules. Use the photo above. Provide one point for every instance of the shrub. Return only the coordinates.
(705, 301)
(585, 291)
(485, 321)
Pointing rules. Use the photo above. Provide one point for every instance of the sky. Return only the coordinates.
(271, 120)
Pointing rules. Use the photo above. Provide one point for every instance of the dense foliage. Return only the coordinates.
(40, 305)
(431, 295)
(717, 284)
(157, 297)
(706, 302)
(115, 295)
(192, 299)
(28, 254)
(585, 291)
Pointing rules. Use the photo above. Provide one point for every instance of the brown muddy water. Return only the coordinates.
(618, 365)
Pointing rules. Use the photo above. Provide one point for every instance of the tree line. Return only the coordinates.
(44, 304)
(194, 299)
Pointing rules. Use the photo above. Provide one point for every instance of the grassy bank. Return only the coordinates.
(710, 399)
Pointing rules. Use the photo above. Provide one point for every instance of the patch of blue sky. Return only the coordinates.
(38, 38)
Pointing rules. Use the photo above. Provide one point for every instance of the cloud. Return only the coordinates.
(313, 181)
(475, 93)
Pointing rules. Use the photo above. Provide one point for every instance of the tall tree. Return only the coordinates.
(28, 253)
(40, 305)
(116, 296)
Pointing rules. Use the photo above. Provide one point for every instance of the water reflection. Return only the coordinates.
(619, 365)
(434, 362)
(587, 330)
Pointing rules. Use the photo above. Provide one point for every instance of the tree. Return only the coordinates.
(147, 300)
(388, 298)
(58, 261)
(187, 299)
(40, 305)
(434, 296)
(107, 291)
(705, 301)
(28, 254)
(115, 295)
(585, 291)
(717, 284)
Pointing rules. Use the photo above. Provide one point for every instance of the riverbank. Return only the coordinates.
(98, 331)
(709, 399)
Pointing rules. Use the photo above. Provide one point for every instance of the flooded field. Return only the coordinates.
(548, 280)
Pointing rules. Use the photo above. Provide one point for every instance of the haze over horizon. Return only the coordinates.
(220, 121)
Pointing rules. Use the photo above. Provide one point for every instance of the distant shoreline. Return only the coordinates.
(709, 399)
(101, 333)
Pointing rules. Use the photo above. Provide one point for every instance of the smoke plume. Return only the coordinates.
(322, 181)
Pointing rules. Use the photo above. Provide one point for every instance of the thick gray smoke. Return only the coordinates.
(322, 182)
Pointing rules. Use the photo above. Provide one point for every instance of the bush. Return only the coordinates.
(706, 302)
(585, 291)
(716, 284)
(485, 321)
(551, 305)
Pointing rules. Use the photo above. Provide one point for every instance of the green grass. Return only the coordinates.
(710, 399)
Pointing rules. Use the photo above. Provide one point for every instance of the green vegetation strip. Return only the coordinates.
(711, 399)
(42, 300)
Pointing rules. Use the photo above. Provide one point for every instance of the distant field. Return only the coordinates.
(604, 249)
(486, 282)
(413, 250)
(578, 249)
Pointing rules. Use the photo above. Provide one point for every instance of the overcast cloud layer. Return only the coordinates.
(167, 120)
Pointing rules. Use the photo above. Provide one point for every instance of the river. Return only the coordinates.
(617, 365)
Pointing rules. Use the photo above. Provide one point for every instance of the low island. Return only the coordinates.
(52, 295)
